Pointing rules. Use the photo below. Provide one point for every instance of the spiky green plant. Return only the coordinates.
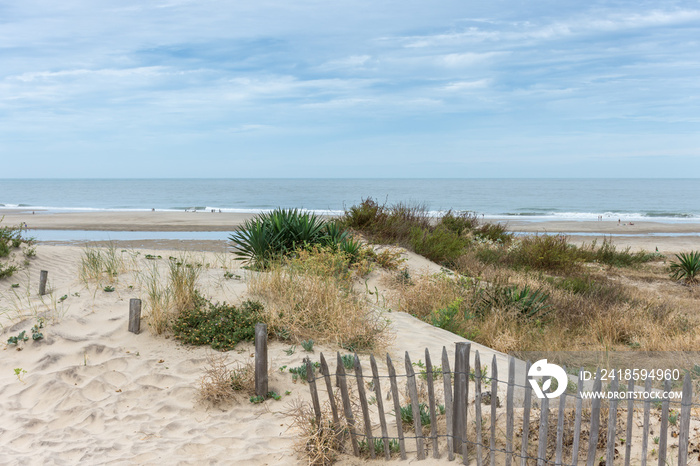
(687, 268)
(271, 235)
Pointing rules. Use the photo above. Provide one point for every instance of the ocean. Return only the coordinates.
(662, 200)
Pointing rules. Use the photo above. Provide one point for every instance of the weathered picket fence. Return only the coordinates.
(459, 430)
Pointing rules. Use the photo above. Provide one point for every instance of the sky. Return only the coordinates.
(307, 88)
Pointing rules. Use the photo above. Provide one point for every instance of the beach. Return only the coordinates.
(91, 392)
(669, 238)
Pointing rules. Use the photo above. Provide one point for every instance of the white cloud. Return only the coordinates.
(467, 85)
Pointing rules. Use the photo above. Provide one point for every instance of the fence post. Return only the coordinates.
(365, 408)
(684, 433)
(431, 404)
(630, 419)
(510, 411)
(397, 405)
(314, 393)
(347, 408)
(261, 388)
(446, 379)
(645, 425)
(612, 423)
(494, 405)
(135, 315)
(380, 406)
(459, 406)
(478, 419)
(595, 421)
(43, 277)
(663, 441)
(526, 416)
(413, 391)
(329, 388)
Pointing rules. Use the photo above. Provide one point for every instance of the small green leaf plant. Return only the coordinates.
(308, 345)
(19, 372)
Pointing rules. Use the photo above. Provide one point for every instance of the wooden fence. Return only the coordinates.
(467, 437)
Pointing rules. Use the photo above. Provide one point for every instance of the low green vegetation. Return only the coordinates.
(220, 325)
(410, 225)
(12, 238)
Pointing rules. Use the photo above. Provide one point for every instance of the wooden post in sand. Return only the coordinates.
(43, 277)
(261, 360)
(135, 315)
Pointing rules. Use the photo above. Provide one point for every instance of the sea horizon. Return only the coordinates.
(666, 200)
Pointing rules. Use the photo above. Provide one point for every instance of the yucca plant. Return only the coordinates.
(687, 267)
(269, 236)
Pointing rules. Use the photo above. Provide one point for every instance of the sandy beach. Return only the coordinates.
(638, 236)
(90, 392)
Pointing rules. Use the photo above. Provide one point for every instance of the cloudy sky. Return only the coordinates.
(360, 88)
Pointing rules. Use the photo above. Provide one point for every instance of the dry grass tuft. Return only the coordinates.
(221, 382)
(303, 305)
(184, 276)
(321, 445)
(100, 264)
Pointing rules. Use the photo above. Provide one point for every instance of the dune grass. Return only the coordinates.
(311, 297)
(536, 292)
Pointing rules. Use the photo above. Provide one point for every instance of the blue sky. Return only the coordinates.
(349, 89)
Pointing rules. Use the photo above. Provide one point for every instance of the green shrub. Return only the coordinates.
(608, 254)
(687, 267)
(383, 224)
(220, 325)
(459, 222)
(447, 318)
(544, 252)
(494, 232)
(10, 238)
(440, 245)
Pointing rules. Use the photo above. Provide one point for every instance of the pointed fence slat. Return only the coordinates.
(684, 430)
(527, 404)
(314, 393)
(347, 407)
(645, 426)
(431, 404)
(494, 405)
(595, 421)
(329, 388)
(380, 406)
(577, 420)
(478, 419)
(447, 382)
(459, 419)
(612, 424)
(558, 457)
(630, 419)
(510, 411)
(365, 408)
(397, 406)
(663, 435)
(465, 385)
(413, 392)
(544, 428)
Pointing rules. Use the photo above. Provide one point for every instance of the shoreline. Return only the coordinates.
(637, 236)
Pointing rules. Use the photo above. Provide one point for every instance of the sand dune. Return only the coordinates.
(93, 393)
